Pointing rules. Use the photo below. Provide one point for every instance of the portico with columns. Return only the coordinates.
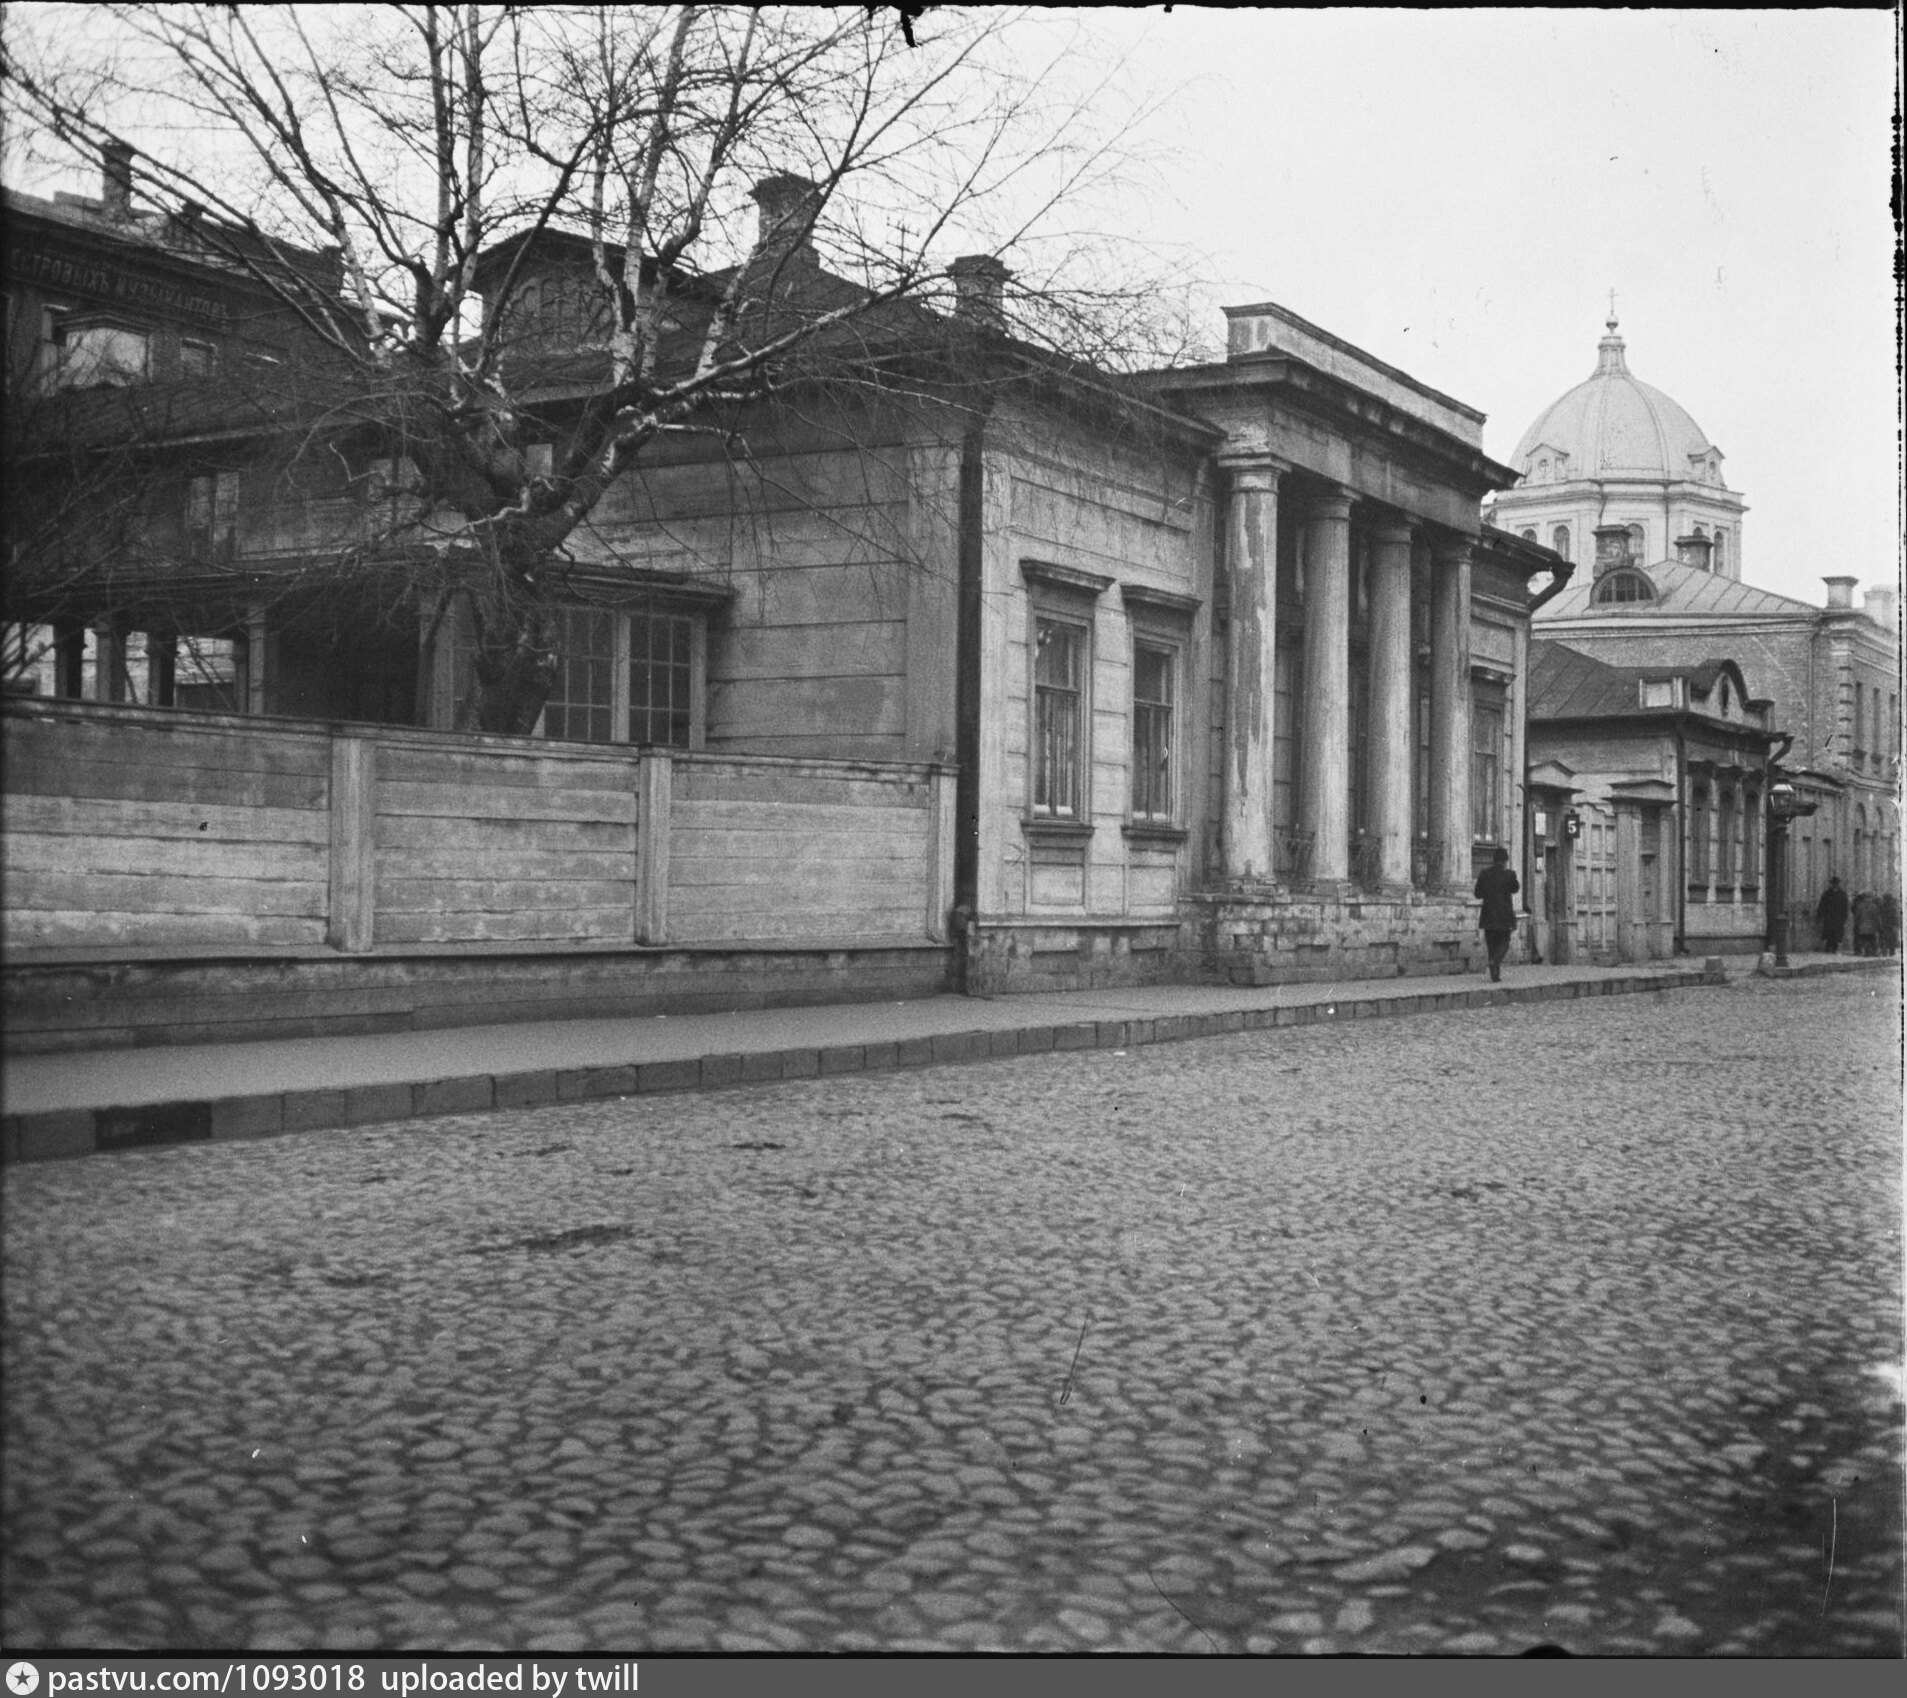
(1363, 613)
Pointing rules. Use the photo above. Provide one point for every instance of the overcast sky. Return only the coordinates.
(1457, 192)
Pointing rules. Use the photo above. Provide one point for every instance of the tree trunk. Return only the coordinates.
(516, 653)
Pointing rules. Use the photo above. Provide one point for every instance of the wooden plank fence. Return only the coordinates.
(149, 830)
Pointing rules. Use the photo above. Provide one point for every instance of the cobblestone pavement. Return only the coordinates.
(1553, 1324)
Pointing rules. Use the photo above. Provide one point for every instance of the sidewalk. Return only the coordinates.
(73, 1104)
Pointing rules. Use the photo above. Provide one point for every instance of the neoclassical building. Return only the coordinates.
(1619, 477)
(986, 669)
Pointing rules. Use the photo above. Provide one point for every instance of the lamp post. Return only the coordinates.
(1784, 805)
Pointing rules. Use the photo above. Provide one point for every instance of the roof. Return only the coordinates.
(1565, 683)
(1614, 425)
(1681, 590)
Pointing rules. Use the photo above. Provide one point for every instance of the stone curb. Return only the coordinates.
(77, 1132)
(1766, 969)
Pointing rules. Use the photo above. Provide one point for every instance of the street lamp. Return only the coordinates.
(1784, 804)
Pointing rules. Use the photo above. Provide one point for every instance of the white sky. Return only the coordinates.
(1457, 192)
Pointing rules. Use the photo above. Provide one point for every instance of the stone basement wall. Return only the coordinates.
(1007, 957)
(123, 1004)
(1280, 938)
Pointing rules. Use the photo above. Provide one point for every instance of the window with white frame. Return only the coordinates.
(633, 676)
(662, 678)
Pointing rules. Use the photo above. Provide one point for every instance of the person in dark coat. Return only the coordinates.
(1867, 923)
(1831, 916)
(1890, 923)
(1497, 887)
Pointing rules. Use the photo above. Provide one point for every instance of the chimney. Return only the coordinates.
(115, 179)
(1881, 608)
(980, 290)
(1693, 550)
(1612, 548)
(1840, 591)
(787, 206)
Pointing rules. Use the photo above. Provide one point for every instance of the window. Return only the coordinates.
(1715, 554)
(94, 354)
(197, 359)
(1154, 756)
(661, 678)
(1638, 543)
(582, 702)
(1059, 716)
(1528, 535)
(633, 677)
(1725, 840)
(1698, 837)
(1750, 841)
(211, 516)
(1486, 769)
(1559, 540)
(1624, 586)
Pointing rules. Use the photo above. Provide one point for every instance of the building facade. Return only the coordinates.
(1621, 476)
(1212, 673)
(1648, 818)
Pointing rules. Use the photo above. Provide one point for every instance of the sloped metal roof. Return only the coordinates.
(1682, 590)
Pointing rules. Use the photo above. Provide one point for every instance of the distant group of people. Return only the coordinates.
(1876, 920)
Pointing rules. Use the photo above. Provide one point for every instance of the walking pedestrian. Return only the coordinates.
(1830, 915)
(1867, 923)
(1496, 886)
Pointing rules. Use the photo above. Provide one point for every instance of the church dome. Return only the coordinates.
(1614, 425)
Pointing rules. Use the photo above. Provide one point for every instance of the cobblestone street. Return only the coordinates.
(1572, 1324)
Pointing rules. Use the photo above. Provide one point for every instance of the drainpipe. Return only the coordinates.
(968, 635)
(1560, 574)
(1682, 821)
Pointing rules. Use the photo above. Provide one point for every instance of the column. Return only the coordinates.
(1251, 654)
(1388, 806)
(1324, 784)
(1450, 714)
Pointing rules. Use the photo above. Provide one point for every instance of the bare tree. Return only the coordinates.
(415, 142)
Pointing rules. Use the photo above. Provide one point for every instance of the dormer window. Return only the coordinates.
(1624, 585)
